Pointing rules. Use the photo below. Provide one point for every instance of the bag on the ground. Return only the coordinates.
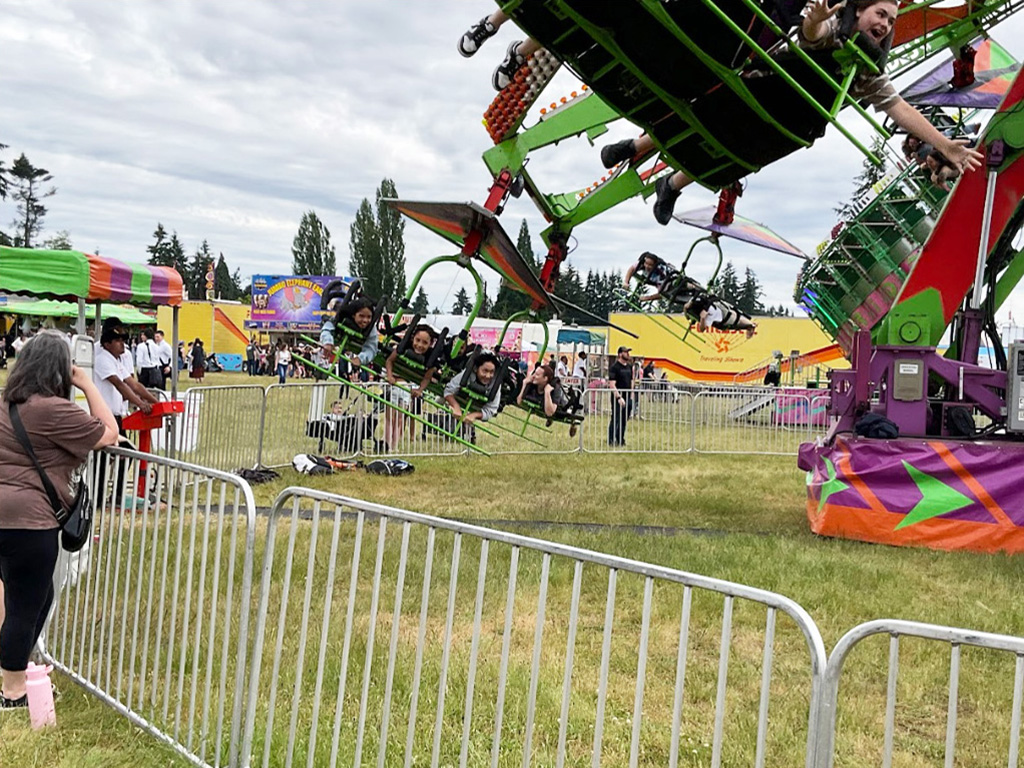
(257, 476)
(310, 464)
(390, 467)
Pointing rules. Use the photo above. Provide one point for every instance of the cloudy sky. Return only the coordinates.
(226, 120)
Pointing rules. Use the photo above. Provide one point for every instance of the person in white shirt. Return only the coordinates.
(562, 369)
(147, 358)
(113, 372)
(579, 370)
(164, 357)
(18, 343)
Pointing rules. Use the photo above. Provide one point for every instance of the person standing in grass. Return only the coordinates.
(620, 379)
(61, 435)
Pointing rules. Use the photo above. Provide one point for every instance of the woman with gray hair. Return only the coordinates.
(61, 435)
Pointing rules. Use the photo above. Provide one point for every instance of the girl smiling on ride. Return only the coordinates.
(475, 388)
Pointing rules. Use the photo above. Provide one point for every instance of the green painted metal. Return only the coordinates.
(464, 262)
(713, 239)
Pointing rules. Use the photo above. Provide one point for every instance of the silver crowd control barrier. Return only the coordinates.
(752, 420)
(647, 420)
(972, 708)
(388, 637)
(221, 426)
(153, 616)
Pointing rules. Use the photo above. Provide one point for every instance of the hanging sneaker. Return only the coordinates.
(470, 42)
(505, 71)
(665, 200)
(619, 152)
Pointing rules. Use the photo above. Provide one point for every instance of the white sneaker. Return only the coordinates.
(470, 42)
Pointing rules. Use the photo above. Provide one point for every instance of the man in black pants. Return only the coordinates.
(620, 379)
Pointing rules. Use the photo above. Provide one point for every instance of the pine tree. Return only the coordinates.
(750, 294)
(224, 287)
(176, 253)
(28, 183)
(486, 306)
(462, 306)
(509, 300)
(870, 174)
(312, 252)
(160, 251)
(421, 305)
(726, 285)
(197, 269)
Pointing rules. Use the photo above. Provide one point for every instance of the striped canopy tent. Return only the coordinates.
(72, 275)
(49, 308)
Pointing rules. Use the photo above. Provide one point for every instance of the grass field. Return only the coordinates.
(732, 517)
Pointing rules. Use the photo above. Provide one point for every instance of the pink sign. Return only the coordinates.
(488, 337)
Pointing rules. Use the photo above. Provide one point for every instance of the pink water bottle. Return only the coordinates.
(40, 696)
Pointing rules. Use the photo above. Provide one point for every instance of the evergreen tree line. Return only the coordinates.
(168, 251)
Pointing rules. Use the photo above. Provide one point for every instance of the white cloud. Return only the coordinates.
(226, 121)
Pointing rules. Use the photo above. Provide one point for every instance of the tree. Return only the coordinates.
(727, 285)
(61, 241)
(28, 183)
(166, 252)
(377, 246)
(750, 294)
(223, 283)
(509, 300)
(312, 252)
(391, 236)
(421, 305)
(196, 271)
(462, 306)
(870, 174)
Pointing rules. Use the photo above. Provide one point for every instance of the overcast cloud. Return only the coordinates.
(227, 120)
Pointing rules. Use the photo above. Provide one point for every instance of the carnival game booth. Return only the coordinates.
(88, 279)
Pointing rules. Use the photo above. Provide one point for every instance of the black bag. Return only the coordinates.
(76, 522)
(390, 467)
(877, 426)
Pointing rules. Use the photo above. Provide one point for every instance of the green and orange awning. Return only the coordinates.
(72, 275)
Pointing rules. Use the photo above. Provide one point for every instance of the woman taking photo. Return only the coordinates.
(61, 435)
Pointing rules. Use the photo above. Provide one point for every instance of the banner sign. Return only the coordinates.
(288, 302)
(488, 337)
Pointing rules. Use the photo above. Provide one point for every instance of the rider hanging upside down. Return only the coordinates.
(712, 312)
(820, 30)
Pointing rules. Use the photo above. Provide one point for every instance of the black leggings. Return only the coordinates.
(27, 560)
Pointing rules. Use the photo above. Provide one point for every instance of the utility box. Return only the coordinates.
(1015, 388)
(908, 379)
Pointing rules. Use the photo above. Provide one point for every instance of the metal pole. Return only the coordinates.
(80, 325)
(986, 226)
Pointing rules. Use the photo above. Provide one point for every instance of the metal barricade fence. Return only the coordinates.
(221, 426)
(153, 616)
(298, 419)
(750, 420)
(388, 637)
(656, 421)
(972, 703)
(398, 434)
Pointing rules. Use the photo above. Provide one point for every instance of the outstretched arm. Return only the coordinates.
(629, 276)
(955, 150)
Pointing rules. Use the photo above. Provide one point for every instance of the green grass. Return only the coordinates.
(737, 518)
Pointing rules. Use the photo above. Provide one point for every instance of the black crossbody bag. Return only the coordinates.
(76, 522)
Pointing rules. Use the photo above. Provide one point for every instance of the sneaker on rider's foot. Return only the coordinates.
(470, 42)
(20, 703)
(665, 200)
(619, 152)
(751, 331)
(505, 71)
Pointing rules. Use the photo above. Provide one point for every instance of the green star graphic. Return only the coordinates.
(830, 486)
(937, 498)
